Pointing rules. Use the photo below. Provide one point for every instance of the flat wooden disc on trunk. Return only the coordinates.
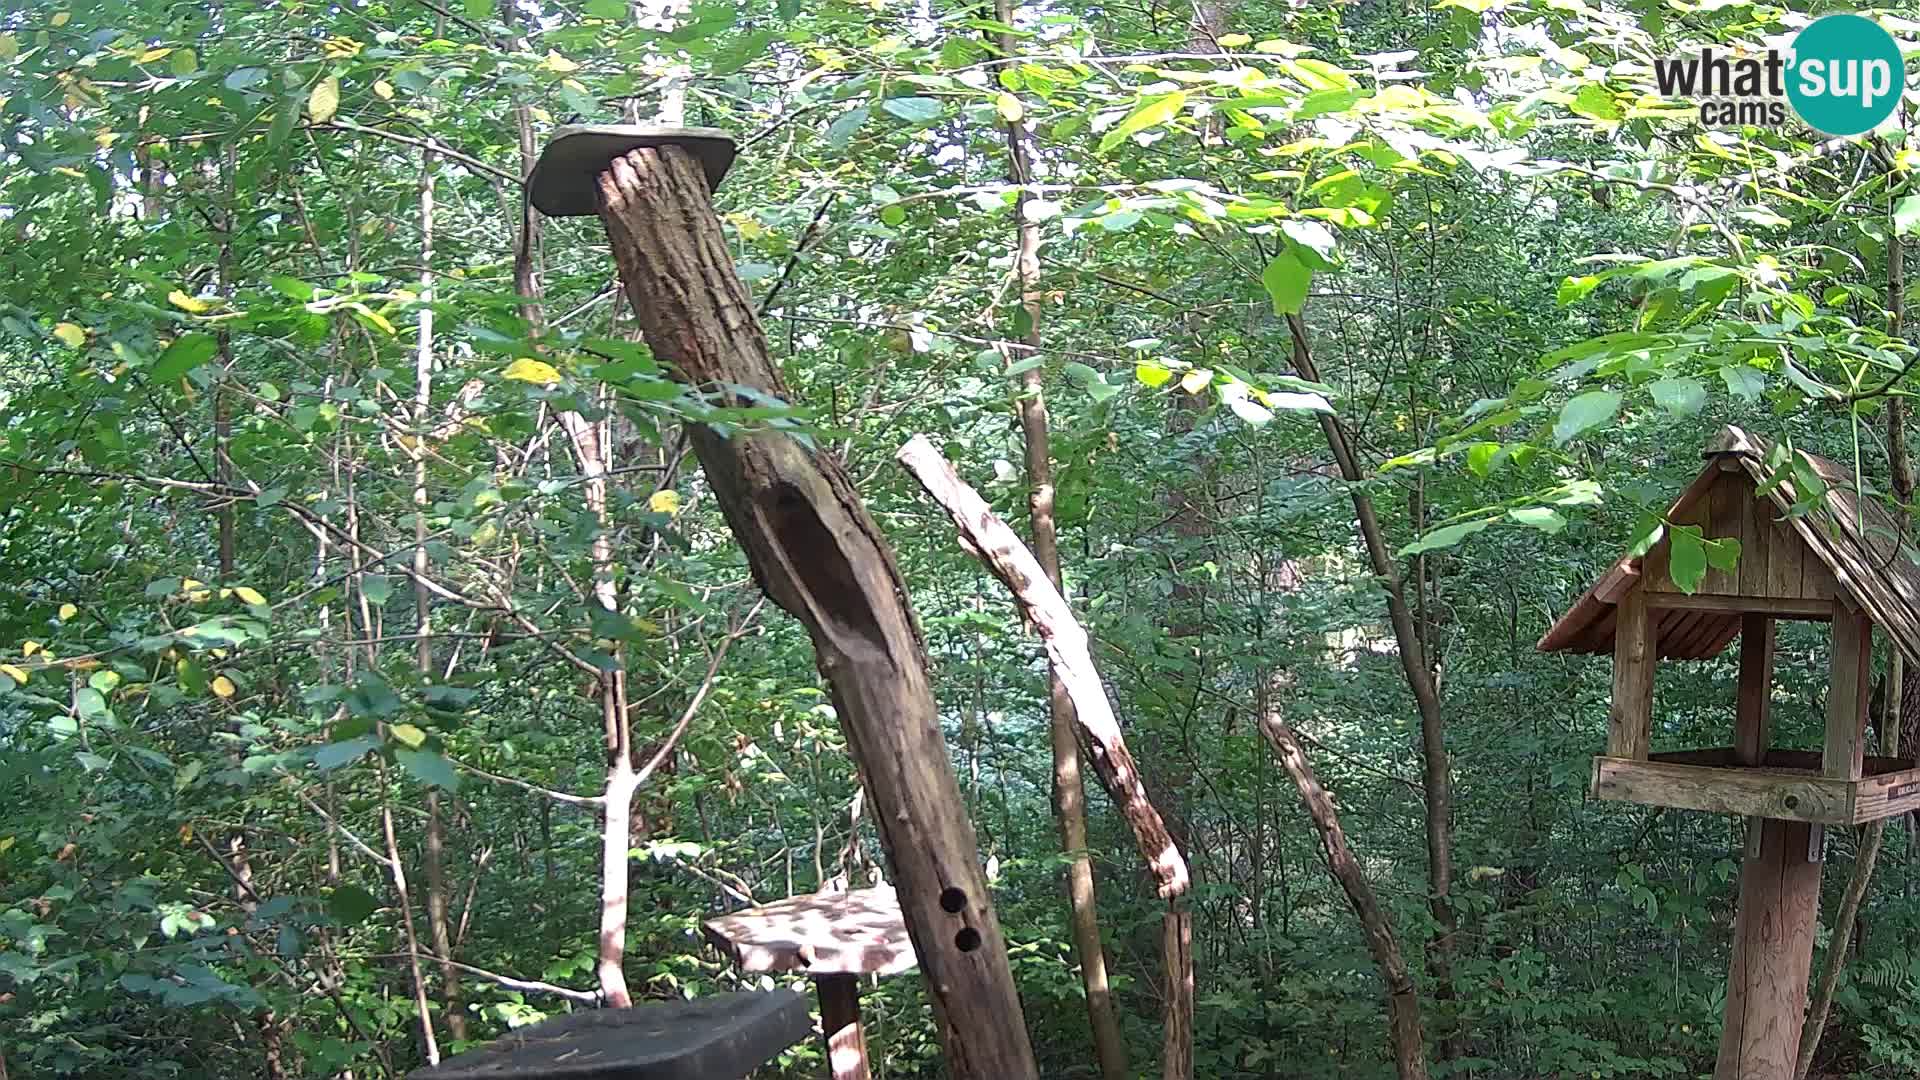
(563, 180)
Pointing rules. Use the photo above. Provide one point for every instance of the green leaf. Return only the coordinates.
(607, 9)
(184, 62)
(429, 768)
(187, 352)
(1906, 215)
(91, 704)
(1724, 553)
(1444, 537)
(1575, 288)
(1596, 102)
(351, 905)
(334, 755)
(842, 130)
(1584, 413)
(245, 78)
(1151, 112)
(292, 288)
(1286, 279)
(914, 110)
(1316, 244)
(1544, 518)
(377, 588)
(1744, 382)
(1686, 557)
(1681, 397)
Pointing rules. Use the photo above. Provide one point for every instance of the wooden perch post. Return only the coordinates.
(836, 939)
(990, 540)
(816, 551)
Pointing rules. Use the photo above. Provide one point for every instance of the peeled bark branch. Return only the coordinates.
(990, 540)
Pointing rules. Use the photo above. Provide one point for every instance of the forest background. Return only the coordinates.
(335, 488)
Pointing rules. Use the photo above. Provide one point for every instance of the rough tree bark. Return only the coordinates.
(1069, 791)
(1404, 1030)
(990, 540)
(1436, 775)
(818, 554)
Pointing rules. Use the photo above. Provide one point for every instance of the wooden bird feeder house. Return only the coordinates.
(1838, 562)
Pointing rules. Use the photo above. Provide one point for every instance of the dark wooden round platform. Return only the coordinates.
(720, 1037)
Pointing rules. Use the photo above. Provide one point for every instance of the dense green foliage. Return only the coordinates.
(1533, 288)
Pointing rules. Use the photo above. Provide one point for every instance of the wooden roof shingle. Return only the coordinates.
(1860, 540)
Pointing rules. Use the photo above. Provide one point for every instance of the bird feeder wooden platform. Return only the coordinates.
(1840, 561)
(720, 1037)
(835, 938)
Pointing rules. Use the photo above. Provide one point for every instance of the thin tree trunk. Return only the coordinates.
(1069, 791)
(816, 551)
(1436, 777)
(1177, 930)
(1404, 1032)
(398, 869)
(1834, 964)
(592, 449)
(437, 924)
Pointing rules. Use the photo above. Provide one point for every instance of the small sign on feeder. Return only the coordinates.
(1837, 561)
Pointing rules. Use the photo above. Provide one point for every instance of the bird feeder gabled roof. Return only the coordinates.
(1848, 548)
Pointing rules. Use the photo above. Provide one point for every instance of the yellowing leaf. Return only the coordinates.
(186, 303)
(68, 611)
(28, 648)
(664, 502)
(186, 834)
(60, 18)
(70, 334)
(9, 46)
(249, 595)
(17, 674)
(151, 55)
(1009, 108)
(527, 369)
(1151, 374)
(558, 64)
(1195, 381)
(412, 736)
(1234, 41)
(383, 89)
(325, 100)
(221, 686)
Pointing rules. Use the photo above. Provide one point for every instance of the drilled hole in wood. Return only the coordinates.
(1792, 801)
(967, 940)
(952, 899)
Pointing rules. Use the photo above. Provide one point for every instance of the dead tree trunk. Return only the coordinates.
(818, 554)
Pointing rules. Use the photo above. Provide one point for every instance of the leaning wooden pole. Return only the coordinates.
(817, 552)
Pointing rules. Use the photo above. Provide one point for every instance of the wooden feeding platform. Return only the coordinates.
(1786, 784)
(1839, 560)
(719, 1037)
(835, 938)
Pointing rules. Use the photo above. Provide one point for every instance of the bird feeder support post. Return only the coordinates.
(846, 1042)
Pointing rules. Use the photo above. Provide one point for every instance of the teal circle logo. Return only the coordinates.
(1846, 75)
